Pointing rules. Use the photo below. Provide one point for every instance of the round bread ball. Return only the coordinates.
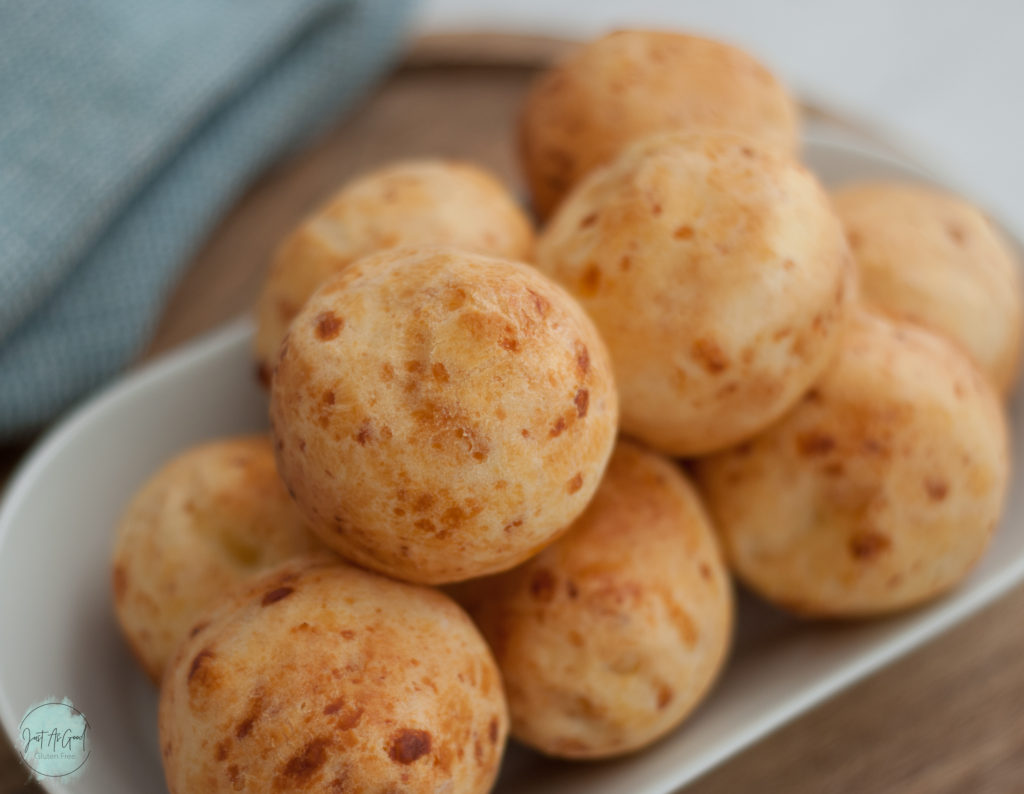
(632, 83)
(717, 274)
(879, 491)
(212, 518)
(323, 677)
(608, 638)
(412, 202)
(931, 258)
(441, 415)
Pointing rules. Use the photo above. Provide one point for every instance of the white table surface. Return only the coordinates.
(943, 77)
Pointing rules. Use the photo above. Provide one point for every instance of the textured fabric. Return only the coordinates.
(127, 128)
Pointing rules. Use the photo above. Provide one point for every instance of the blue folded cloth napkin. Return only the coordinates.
(127, 127)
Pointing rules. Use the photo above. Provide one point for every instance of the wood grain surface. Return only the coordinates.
(948, 718)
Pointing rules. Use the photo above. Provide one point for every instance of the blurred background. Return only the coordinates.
(945, 76)
(133, 128)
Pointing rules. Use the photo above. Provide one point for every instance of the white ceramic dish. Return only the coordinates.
(58, 636)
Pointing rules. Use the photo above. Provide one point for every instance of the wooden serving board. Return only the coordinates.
(948, 718)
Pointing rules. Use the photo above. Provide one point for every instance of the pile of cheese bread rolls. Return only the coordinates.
(511, 473)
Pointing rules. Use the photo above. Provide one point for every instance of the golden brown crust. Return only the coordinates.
(209, 520)
(410, 202)
(629, 84)
(880, 490)
(718, 275)
(441, 415)
(931, 258)
(323, 677)
(609, 637)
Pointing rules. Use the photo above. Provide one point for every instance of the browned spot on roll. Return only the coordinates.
(709, 355)
(815, 443)
(453, 517)
(936, 488)
(557, 427)
(542, 585)
(683, 622)
(665, 695)
(582, 402)
(328, 397)
(440, 372)
(873, 446)
(591, 280)
(222, 750)
(744, 449)
(276, 595)
(540, 304)
(349, 719)
(454, 298)
(492, 730)
(197, 664)
(588, 220)
(683, 233)
(255, 711)
(408, 745)
(575, 483)
(868, 545)
(303, 765)
(510, 343)
(956, 233)
(582, 358)
(727, 389)
(364, 434)
(198, 628)
(328, 325)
